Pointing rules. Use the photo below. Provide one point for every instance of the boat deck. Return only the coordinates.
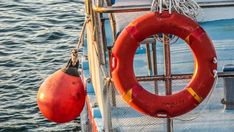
(210, 116)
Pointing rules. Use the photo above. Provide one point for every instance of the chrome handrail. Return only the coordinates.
(179, 76)
(135, 8)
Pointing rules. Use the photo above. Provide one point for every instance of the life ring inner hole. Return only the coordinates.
(150, 52)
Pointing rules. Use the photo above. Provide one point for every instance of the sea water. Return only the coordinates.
(35, 40)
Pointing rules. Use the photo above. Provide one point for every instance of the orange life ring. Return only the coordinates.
(122, 64)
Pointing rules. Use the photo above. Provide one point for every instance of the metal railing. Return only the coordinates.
(135, 8)
(178, 76)
(95, 10)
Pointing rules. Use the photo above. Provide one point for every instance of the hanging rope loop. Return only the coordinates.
(206, 103)
(199, 113)
(80, 41)
(161, 5)
(189, 8)
(74, 62)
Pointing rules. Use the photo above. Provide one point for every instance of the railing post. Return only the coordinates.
(148, 56)
(228, 100)
(104, 89)
(167, 74)
(155, 67)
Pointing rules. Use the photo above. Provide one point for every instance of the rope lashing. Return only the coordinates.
(189, 8)
(74, 57)
(74, 52)
(87, 19)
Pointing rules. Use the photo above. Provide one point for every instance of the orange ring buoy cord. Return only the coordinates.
(123, 73)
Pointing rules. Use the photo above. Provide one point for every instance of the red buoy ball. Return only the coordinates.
(61, 97)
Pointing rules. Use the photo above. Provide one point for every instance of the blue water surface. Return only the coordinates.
(35, 39)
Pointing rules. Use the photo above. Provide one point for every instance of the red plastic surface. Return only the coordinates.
(61, 97)
(122, 64)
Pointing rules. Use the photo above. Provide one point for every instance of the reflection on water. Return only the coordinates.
(35, 38)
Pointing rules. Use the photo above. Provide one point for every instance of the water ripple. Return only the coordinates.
(35, 40)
